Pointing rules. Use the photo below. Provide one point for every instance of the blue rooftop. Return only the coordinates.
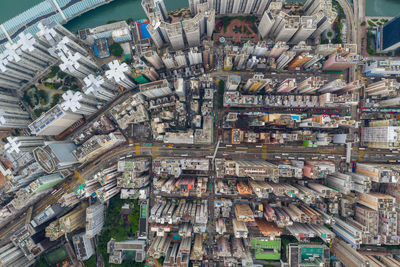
(391, 33)
(142, 23)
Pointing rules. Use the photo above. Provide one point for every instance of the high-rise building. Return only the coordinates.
(326, 49)
(257, 170)
(153, 58)
(159, 4)
(263, 5)
(17, 57)
(387, 38)
(332, 86)
(208, 55)
(307, 27)
(55, 156)
(45, 182)
(256, 83)
(83, 247)
(382, 67)
(94, 220)
(97, 145)
(284, 59)
(54, 121)
(156, 89)
(324, 20)
(79, 103)
(381, 134)
(99, 87)
(240, 60)
(34, 49)
(11, 114)
(194, 56)
(192, 31)
(287, 85)
(310, 85)
(346, 57)
(193, 6)
(76, 64)
(313, 254)
(11, 75)
(22, 143)
(66, 44)
(169, 61)
(287, 28)
(233, 82)
(353, 86)
(265, 25)
(120, 74)
(151, 6)
(382, 88)
(47, 214)
(252, 63)
(260, 49)
(299, 61)
(68, 223)
(301, 47)
(180, 58)
(52, 32)
(313, 6)
(14, 69)
(179, 86)
(174, 33)
(278, 49)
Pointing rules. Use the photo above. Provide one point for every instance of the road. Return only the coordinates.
(270, 152)
(281, 75)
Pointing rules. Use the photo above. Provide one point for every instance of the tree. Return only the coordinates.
(61, 75)
(27, 99)
(116, 50)
(91, 262)
(221, 90)
(43, 96)
(55, 99)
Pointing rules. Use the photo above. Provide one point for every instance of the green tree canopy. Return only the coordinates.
(116, 50)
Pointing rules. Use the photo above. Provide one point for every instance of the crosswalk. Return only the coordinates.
(155, 151)
(264, 152)
(137, 149)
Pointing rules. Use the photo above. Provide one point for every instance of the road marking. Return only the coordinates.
(361, 155)
(79, 177)
(137, 148)
(264, 152)
(155, 151)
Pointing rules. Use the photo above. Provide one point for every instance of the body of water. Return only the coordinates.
(117, 10)
(124, 9)
(382, 8)
(11, 8)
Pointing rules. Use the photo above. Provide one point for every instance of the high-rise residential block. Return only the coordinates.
(99, 87)
(306, 29)
(22, 143)
(79, 103)
(298, 62)
(153, 58)
(345, 57)
(120, 73)
(287, 85)
(256, 83)
(54, 121)
(94, 220)
(156, 89)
